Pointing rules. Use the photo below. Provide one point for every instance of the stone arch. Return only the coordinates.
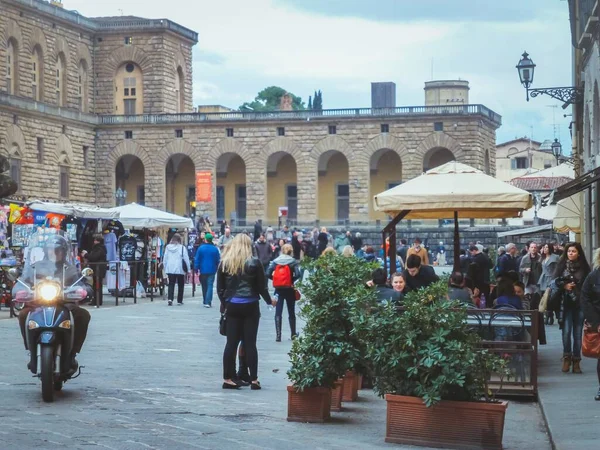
(331, 142)
(127, 147)
(15, 137)
(227, 145)
(439, 139)
(83, 53)
(180, 62)
(64, 151)
(36, 38)
(61, 46)
(12, 30)
(178, 146)
(125, 54)
(383, 141)
(277, 145)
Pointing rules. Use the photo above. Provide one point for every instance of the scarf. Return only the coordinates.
(573, 269)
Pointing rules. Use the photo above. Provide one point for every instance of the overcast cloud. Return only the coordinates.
(341, 46)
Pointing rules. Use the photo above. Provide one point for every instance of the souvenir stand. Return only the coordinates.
(152, 226)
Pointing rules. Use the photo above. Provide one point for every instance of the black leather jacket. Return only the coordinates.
(590, 298)
(251, 283)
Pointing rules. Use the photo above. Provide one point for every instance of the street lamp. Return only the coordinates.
(120, 195)
(568, 95)
(556, 150)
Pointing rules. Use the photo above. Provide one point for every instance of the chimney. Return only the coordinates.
(383, 95)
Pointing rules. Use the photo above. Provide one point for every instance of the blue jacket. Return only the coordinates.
(207, 259)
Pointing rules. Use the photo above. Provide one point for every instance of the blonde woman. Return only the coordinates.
(348, 251)
(240, 284)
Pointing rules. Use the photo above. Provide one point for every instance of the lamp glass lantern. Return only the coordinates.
(526, 69)
(556, 149)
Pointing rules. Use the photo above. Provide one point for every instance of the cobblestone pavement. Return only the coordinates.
(152, 380)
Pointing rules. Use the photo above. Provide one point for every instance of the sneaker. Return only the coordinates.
(179, 303)
(207, 306)
(597, 397)
(170, 303)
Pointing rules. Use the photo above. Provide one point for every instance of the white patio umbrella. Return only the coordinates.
(138, 216)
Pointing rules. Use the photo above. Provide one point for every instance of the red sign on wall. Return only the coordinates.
(204, 187)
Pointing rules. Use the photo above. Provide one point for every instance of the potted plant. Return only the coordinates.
(327, 348)
(434, 374)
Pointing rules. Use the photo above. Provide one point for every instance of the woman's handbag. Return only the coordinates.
(590, 347)
(297, 294)
(223, 324)
(544, 302)
(184, 265)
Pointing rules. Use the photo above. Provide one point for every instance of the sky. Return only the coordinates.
(341, 46)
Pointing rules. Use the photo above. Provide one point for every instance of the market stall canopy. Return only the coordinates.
(138, 216)
(76, 210)
(454, 187)
(568, 214)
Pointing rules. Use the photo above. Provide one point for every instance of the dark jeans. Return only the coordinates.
(180, 280)
(242, 324)
(572, 325)
(207, 282)
(81, 317)
(289, 295)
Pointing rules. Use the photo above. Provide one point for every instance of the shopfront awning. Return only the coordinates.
(577, 185)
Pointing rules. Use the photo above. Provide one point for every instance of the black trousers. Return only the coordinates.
(242, 324)
(81, 317)
(98, 294)
(180, 280)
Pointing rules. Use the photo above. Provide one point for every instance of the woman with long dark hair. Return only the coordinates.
(571, 271)
(240, 284)
(590, 303)
(549, 262)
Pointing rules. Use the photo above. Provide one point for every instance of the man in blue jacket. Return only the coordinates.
(207, 262)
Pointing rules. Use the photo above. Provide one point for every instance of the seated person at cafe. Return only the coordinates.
(457, 289)
(520, 292)
(418, 276)
(384, 292)
(507, 296)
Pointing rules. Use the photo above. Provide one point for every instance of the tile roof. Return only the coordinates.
(539, 183)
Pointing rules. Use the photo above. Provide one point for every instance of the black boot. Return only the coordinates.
(293, 327)
(278, 329)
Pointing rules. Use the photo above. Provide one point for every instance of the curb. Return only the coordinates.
(546, 422)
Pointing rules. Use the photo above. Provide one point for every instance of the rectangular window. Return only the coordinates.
(332, 129)
(220, 203)
(280, 131)
(520, 163)
(438, 126)
(141, 195)
(129, 107)
(178, 133)
(292, 201)
(40, 149)
(126, 92)
(86, 156)
(385, 128)
(129, 134)
(133, 92)
(34, 79)
(15, 172)
(229, 132)
(343, 202)
(240, 201)
(128, 40)
(393, 184)
(64, 182)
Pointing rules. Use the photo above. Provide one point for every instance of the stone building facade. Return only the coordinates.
(91, 105)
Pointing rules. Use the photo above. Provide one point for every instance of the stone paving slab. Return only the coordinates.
(152, 380)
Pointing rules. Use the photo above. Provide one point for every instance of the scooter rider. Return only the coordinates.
(55, 264)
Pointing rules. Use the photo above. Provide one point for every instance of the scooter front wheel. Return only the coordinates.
(47, 373)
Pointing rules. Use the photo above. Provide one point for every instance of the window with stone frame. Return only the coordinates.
(37, 74)
(11, 65)
(128, 90)
(64, 182)
(15, 172)
(82, 86)
(40, 150)
(86, 157)
(61, 80)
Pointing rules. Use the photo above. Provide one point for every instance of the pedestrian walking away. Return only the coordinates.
(590, 303)
(176, 257)
(97, 256)
(285, 271)
(240, 284)
(206, 263)
(571, 271)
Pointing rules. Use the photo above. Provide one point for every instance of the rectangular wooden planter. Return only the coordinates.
(350, 387)
(311, 405)
(449, 424)
(336, 395)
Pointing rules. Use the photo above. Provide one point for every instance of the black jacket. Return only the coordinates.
(590, 298)
(296, 246)
(249, 284)
(263, 252)
(98, 255)
(423, 279)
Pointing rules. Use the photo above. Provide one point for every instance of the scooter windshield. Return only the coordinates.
(47, 250)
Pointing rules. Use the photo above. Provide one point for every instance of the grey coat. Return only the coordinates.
(536, 269)
(548, 269)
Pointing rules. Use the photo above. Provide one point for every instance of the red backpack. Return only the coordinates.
(282, 276)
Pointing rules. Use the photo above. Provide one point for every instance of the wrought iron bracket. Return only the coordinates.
(568, 95)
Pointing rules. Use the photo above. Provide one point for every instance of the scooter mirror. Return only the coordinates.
(13, 274)
(87, 272)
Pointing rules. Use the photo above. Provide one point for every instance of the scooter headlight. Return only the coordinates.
(48, 291)
(66, 324)
(32, 325)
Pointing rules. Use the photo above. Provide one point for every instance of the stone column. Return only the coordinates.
(155, 187)
(358, 181)
(256, 190)
(307, 182)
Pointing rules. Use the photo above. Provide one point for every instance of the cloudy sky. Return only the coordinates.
(341, 46)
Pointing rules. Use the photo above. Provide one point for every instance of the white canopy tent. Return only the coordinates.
(568, 214)
(452, 190)
(138, 216)
(81, 211)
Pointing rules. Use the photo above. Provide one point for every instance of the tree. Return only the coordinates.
(310, 105)
(269, 99)
(318, 101)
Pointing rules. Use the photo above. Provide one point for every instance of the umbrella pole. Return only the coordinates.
(390, 229)
(456, 244)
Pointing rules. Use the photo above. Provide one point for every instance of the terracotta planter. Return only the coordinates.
(350, 387)
(312, 405)
(336, 395)
(449, 424)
